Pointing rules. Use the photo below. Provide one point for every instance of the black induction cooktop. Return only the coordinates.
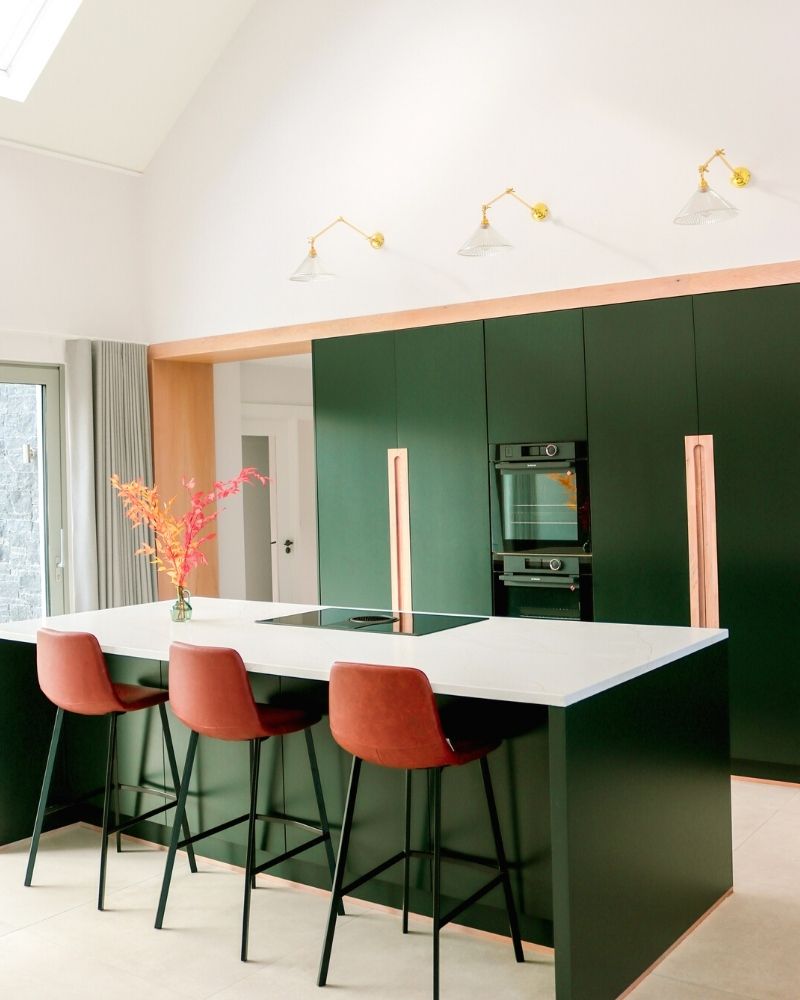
(386, 622)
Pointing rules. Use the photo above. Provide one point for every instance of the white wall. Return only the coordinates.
(70, 255)
(405, 117)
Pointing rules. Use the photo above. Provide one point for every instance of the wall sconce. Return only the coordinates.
(705, 205)
(311, 269)
(485, 241)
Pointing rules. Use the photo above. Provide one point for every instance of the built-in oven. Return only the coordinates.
(544, 586)
(541, 530)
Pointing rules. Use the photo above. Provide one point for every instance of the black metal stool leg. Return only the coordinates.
(511, 909)
(115, 781)
(249, 877)
(110, 766)
(323, 813)
(338, 878)
(176, 781)
(437, 873)
(407, 851)
(45, 792)
(180, 813)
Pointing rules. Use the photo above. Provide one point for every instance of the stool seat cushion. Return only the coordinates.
(135, 696)
(278, 720)
(387, 715)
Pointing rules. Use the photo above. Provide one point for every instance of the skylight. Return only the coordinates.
(30, 30)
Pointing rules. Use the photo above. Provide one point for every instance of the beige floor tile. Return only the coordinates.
(754, 803)
(67, 873)
(747, 946)
(373, 959)
(34, 967)
(658, 987)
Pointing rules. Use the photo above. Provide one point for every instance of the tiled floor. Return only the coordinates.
(54, 943)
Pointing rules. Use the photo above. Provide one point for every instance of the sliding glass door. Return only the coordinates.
(31, 522)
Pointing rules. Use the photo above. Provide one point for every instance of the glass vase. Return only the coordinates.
(181, 610)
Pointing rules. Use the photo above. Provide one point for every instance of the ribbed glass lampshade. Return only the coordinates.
(310, 270)
(703, 208)
(484, 242)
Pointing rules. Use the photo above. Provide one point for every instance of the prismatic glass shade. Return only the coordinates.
(310, 270)
(703, 208)
(484, 242)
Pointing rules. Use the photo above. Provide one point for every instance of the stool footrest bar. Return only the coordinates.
(289, 854)
(372, 873)
(119, 827)
(214, 829)
(466, 903)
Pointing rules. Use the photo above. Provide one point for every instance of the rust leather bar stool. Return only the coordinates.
(211, 694)
(388, 716)
(73, 674)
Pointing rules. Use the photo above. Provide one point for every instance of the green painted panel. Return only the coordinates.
(748, 359)
(641, 821)
(535, 382)
(355, 421)
(641, 401)
(441, 419)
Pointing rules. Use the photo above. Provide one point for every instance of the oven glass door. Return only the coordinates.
(538, 505)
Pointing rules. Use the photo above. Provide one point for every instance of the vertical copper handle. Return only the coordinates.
(399, 529)
(701, 511)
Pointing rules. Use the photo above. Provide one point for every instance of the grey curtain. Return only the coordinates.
(79, 411)
(121, 446)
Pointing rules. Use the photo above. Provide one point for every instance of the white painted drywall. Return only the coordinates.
(405, 117)
(70, 255)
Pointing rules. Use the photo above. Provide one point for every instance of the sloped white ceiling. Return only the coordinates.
(121, 76)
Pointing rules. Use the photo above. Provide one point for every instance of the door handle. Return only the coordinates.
(288, 545)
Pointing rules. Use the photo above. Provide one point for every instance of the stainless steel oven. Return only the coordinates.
(532, 585)
(540, 496)
(541, 530)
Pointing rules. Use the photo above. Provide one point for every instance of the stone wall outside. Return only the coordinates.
(20, 571)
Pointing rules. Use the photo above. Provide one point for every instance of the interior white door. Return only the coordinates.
(290, 429)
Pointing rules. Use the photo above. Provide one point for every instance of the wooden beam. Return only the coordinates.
(297, 339)
(182, 401)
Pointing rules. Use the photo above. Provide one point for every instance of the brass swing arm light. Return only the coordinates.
(740, 176)
(486, 241)
(539, 211)
(311, 269)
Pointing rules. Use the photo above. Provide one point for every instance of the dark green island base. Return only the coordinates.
(615, 810)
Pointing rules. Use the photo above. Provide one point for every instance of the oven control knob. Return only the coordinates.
(555, 564)
(550, 450)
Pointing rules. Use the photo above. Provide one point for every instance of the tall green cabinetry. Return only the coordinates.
(748, 369)
(641, 402)
(535, 383)
(423, 390)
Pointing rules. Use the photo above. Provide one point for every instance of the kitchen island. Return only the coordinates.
(613, 780)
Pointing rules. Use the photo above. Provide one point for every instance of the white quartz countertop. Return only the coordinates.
(508, 659)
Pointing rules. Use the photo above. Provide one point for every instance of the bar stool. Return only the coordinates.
(210, 693)
(73, 674)
(388, 716)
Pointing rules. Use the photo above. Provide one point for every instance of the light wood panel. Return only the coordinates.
(399, 529)
(283, 340)
(701, 509)
(182, 400)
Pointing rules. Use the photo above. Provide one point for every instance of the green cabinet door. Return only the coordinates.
(641, 402)
(535, 384)
(748, 360)
(355, 424)
(441, 420)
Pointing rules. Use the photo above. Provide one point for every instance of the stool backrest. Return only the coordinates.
(210, 693)
(73, 673)
(387, 715)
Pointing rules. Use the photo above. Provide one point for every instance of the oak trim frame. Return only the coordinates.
(399, 529)
(182, 413)
(297, 339)
(701, 507)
